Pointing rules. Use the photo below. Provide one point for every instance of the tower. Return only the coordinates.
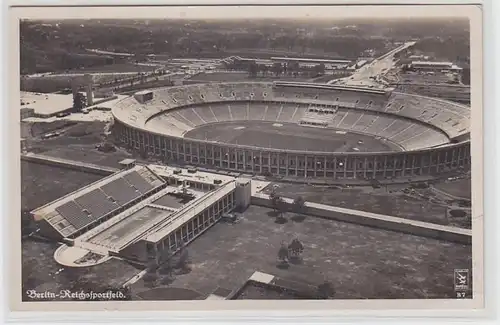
(74, 86)
(88, 86)
(243, 193)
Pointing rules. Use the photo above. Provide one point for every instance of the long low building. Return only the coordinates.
(306, 60)
(435, 66)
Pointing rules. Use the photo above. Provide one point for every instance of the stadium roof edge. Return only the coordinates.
(143, 92)
(326, 86)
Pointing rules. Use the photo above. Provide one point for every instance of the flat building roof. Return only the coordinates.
(46, 104)
(143, 92)
(431, 63)
(188, 212)
(198, 176)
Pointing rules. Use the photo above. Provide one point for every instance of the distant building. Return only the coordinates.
(304, 62)
(331, 66)
(143, 96)
(418, 57)
(44, 105)
(435, 66)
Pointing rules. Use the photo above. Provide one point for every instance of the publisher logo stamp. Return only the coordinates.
(461, 279)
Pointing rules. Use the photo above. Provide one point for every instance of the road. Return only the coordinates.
(361, 77)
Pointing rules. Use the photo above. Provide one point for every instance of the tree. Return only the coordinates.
(166, 262)
(325, 290)
(151, 275)
(294, 68)
(278, 204)
(320, 68)
(184, 259)
(299, 204)
(281, 208)
(466, 76)
(265, 70)
(283, 254)
(79, 102)
(252, 69)
(273, 193)
(276, 201)
(127, 293)
(143, 154)
(296, 248)
(277, 69)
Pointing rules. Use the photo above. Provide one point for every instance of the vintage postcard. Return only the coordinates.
(247, 157)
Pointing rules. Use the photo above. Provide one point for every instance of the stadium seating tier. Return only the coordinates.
(180, 109)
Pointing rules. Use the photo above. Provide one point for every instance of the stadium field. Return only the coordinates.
(288, 136)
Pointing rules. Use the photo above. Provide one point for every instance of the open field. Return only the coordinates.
(287, 136)
(74, 132)
(41, 184)
(361, 262)
(459, 188)
(391, 201)
(78, 142)
(88, 154)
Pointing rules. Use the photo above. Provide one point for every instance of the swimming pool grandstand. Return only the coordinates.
(139, 212)
(96, 203)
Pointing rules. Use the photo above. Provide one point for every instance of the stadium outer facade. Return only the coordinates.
(447, 150)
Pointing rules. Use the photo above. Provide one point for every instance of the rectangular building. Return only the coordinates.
(143, 213)
(434, 66)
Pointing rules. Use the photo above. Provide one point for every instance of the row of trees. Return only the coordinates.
(140, 77)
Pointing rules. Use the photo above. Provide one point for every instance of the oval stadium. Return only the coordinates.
(297, 130)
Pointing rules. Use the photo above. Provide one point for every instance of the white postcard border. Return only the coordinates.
(268, 308)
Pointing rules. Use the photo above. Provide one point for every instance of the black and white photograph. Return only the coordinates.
(246, 153)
